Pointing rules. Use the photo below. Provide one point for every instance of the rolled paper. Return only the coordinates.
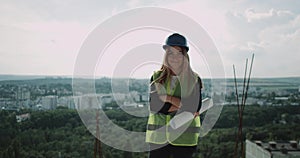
(181, 119)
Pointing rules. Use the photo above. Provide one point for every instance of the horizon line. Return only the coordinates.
(98, 77)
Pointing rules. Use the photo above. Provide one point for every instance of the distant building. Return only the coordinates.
(22, 94)
(49, 102)
(77, 102)
(259, 149)
(282, 98)
(295, 103)
(22, 117)
(251, 100)
(89, 101)
(106, 99)
(261, 102)
(118, 97)
(135, 96)
(144, 97)
(130, 105)
(39, 106)
(66, 102)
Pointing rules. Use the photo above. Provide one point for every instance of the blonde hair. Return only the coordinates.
(187, 79)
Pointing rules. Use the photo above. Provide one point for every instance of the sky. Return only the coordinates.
(45, 37)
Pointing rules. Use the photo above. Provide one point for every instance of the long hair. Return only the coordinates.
(187, 79)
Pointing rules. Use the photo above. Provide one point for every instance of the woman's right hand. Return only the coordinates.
(173, 108)
(173, 100)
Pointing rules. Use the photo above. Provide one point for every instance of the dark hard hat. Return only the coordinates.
(176, 40)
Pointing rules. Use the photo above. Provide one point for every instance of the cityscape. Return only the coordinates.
(272, 110)
(53, 92)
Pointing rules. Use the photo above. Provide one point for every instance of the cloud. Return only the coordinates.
(272, 35)
(272, 16)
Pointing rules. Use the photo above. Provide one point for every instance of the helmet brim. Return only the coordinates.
(166, 46)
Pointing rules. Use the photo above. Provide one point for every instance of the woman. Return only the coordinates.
(175, 89)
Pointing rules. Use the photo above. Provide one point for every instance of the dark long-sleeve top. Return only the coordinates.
(191, 103)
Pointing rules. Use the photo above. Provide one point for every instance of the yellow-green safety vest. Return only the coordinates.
(159, 131)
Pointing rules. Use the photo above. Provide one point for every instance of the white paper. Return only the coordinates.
(180, 119)
(207, 103)
(185, 117)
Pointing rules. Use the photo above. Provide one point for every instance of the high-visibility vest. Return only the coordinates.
(159, 130)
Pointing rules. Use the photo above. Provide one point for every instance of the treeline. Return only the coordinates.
(60, 133)
(46, 134)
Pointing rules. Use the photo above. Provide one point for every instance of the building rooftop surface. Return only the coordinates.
(276, 148)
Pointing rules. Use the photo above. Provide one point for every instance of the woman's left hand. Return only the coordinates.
(173, 108)
(196, 114)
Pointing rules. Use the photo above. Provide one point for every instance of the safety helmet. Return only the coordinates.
(176, 40)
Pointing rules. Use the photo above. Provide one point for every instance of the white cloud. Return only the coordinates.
(271, 16)
(272, 35)
(252, 15)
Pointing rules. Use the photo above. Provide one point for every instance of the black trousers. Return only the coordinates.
(171, 151)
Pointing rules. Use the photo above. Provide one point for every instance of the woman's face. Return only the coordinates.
(175, 58)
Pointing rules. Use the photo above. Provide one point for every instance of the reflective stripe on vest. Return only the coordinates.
(161, 128)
